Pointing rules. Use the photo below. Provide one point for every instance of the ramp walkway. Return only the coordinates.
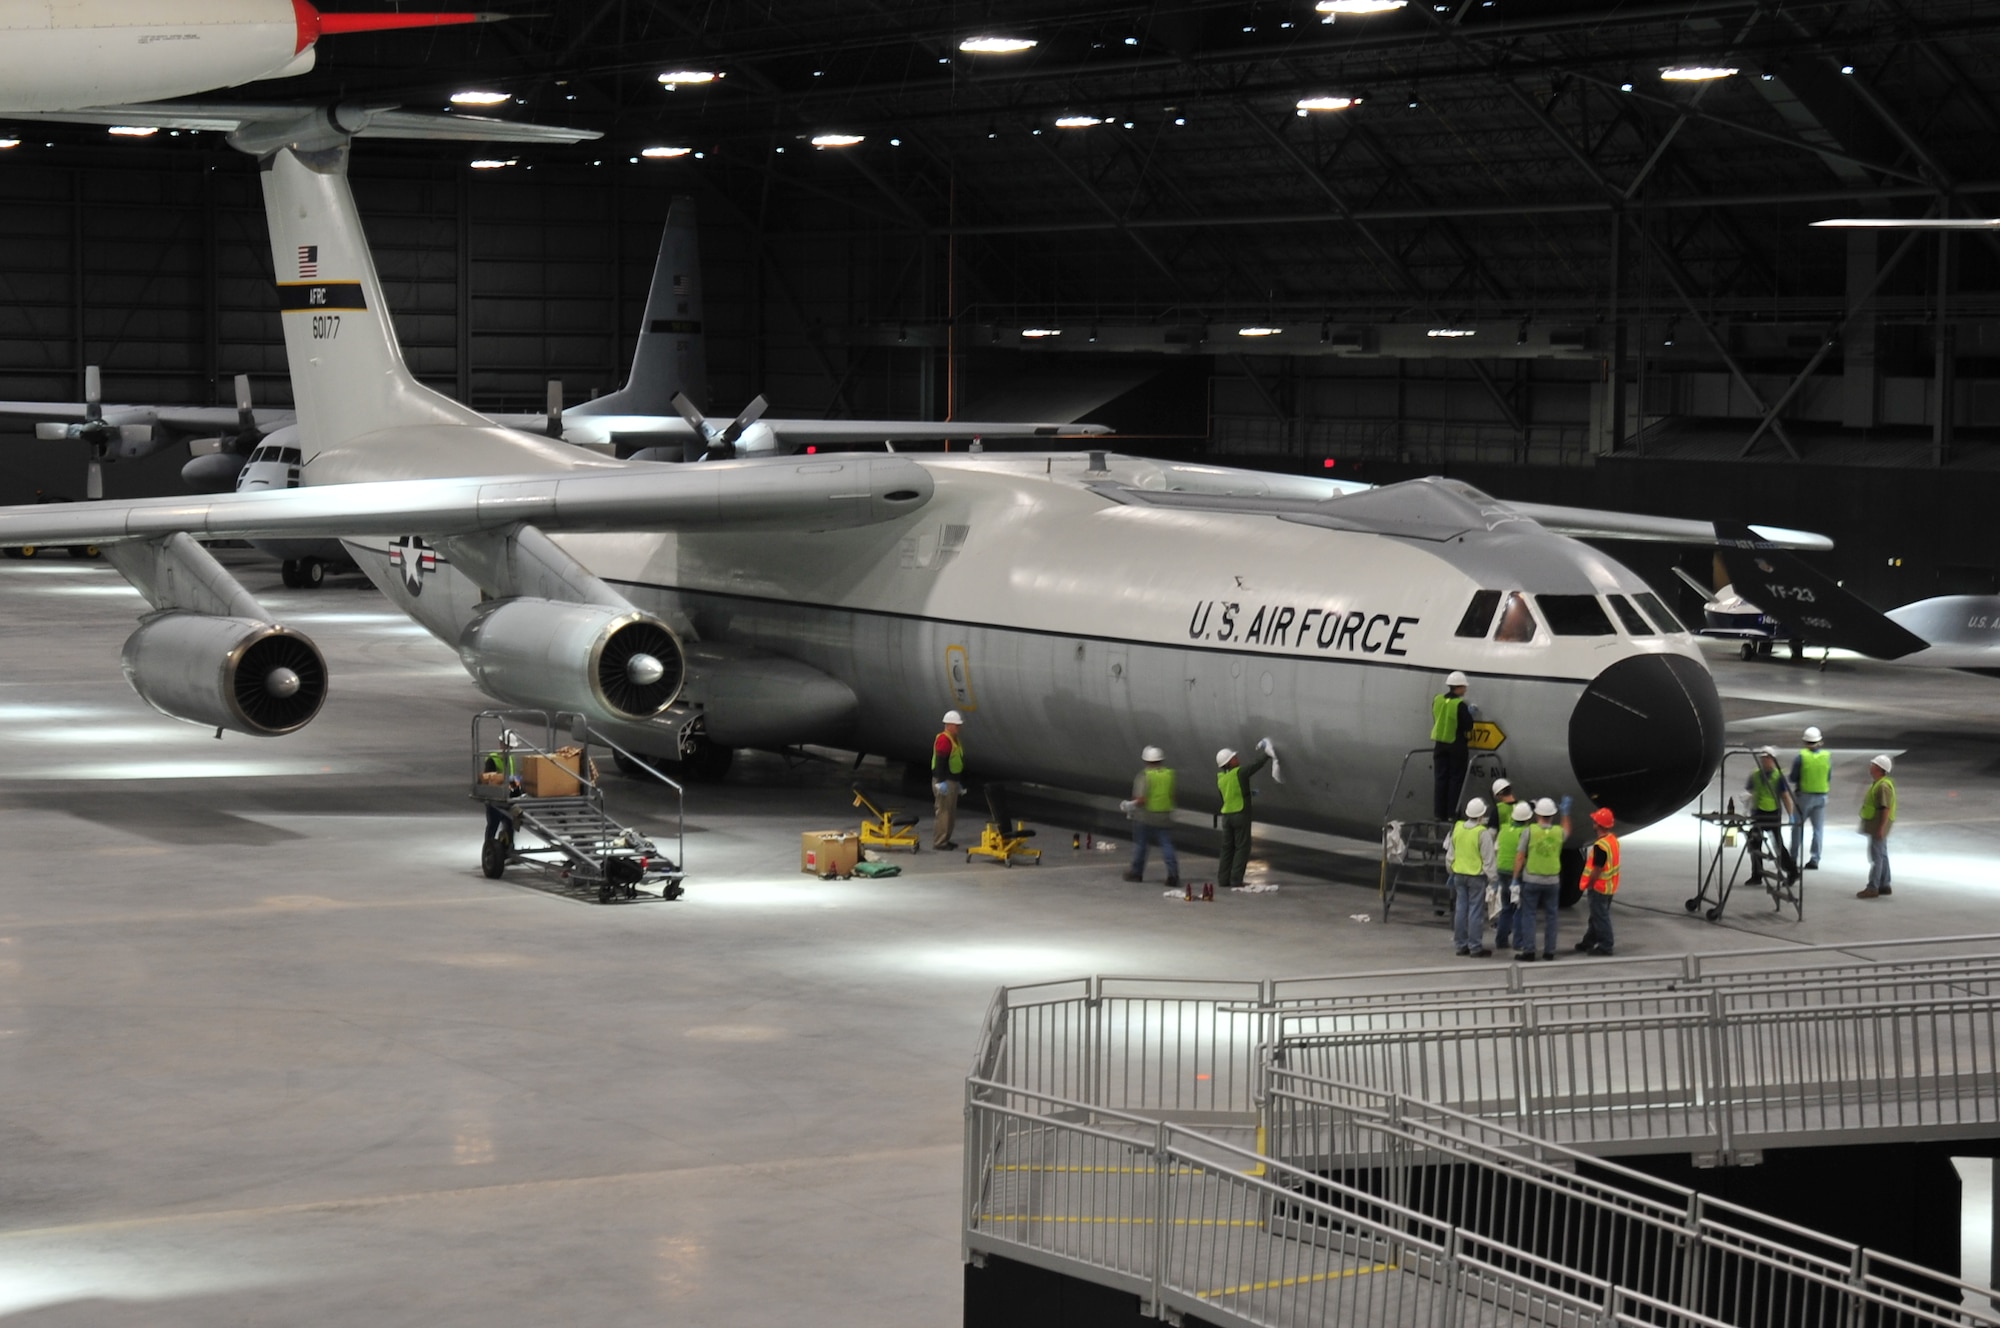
(1348, 1150)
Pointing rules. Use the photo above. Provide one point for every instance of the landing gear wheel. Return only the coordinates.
(1749, 651)
(289, 570)
(27, 550)
(85, 551)
(708, 762)
(312, 573)
(1571, 888)
(493, 857)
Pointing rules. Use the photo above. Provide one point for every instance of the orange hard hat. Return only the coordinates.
(1603, 817)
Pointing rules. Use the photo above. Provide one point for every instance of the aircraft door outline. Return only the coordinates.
(958, 674)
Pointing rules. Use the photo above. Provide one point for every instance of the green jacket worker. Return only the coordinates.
(1770, 807)
(947, 778)
(1452, 718)
(1878, 818)
(1152, 810)
(1537, 867)
(1232, 779)
(1474, 860)
(1812, 780)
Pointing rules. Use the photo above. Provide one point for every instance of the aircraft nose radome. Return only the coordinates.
(1646, 736)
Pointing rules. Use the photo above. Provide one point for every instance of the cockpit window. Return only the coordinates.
(1574, 615)
(1634, 624)
(1479, 615)
(1517, 621)
(289, 455)
(1662, 616)
(260, 454)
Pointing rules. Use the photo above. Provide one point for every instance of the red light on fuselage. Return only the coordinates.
(811, 448)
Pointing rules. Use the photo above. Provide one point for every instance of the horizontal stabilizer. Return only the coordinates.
(1811, 605)
(821, 493)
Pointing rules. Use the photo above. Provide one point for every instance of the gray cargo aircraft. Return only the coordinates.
(1074, 607)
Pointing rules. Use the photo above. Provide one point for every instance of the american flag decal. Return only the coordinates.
(308, 262)
(680, 283)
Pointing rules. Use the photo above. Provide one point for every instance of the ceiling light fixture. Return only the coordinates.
(6, 143)
(688, 78)
(474, 98)
(1452, 332)
(1696, 73)
(1041, 331)
(1308, 104)
(997, 45)
(493, 164)
(1258, 331)
(658, 154)
(134, 131)
(1358, 6)
(1913, 223)
(1077, 121)
(836, 140)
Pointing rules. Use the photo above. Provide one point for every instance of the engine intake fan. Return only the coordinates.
(227, 673)
(612, 664)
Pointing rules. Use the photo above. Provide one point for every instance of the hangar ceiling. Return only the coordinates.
(1625, 257)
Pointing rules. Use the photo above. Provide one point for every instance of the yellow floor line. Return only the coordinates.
(1293, 1281)
(1128, 1221)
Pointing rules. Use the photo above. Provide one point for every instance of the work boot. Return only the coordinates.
(1173, 882)
(1870, 893)
(1133, 876)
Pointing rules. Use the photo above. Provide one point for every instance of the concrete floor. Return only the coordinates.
(272, 1051)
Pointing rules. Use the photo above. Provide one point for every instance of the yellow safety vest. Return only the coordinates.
(1545, 846)
(1465, 859)
(957, 761)
(1230, 781)
(1159, 790)
(1815, 770)
(1445, 716)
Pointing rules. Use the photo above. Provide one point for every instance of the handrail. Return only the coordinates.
(1716, 1056)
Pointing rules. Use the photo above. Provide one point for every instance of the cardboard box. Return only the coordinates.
(549, 777)
(825, 853)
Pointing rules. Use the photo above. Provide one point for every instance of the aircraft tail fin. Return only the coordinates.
(670, 358)
(348, 375)
(1811, 605)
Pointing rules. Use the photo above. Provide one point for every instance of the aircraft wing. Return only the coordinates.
(823, 493)
(179, 419)
(1810, 604)
(664, 430)
(1593, 523)
(351, 119)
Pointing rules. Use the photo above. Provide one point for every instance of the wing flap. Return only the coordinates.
(818, 494)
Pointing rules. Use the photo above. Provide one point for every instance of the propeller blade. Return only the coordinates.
(245, 414)
(554, 428)
(93, 393)
(93, 481)
(686, 410)
(751, 414)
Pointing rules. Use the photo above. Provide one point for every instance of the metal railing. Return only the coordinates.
(1334, 1149)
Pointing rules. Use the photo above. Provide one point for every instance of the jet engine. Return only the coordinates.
(608, 663)
(226, 673)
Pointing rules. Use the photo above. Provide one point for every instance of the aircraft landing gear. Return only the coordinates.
(303, 573)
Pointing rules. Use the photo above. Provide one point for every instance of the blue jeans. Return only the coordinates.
(1505, 925)
(1878, 864)
(1535, 899)
(1468, 915)
(1598, 935)
(1141, 833)
(1812, 807)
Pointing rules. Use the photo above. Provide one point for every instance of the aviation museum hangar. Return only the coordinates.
(901, 663)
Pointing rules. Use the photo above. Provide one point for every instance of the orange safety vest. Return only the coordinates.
(1603, 879)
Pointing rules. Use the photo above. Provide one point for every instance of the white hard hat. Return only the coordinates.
(1152, 754)
(1225, 756)
(952, 717)
(1456, 679)
(1771, 752)
(1501, 785)
(1812, 733)
(1523, 812)
(1883, 763)
(507, 738)
(1545, 807)
(1475, 809)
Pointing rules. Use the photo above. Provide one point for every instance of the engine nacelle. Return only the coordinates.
(608, 663)
(226, 673)
(213, 472)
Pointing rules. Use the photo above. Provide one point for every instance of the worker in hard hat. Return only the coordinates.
(1878, 817)
(1538, 870)
(1812, 780)
(1600, 883)
(947, 778)
(1474, 866)
(1511, 818)
(1151, 808)
(1452, 718)
(1771, 806)
(504, 762)
(1232, 780)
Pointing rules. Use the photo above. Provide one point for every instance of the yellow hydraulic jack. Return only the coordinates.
(1004, 839)
(885, 827)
